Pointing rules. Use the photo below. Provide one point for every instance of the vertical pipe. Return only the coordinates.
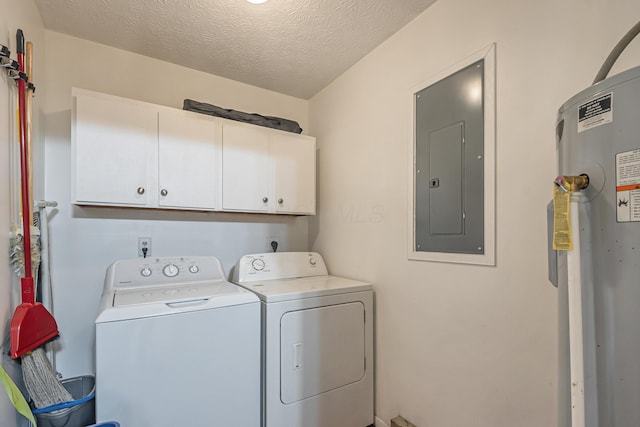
(47, 294)
(576, 341)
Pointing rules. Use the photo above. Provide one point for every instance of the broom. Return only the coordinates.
(40, 379)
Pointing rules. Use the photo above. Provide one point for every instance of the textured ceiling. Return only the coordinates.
(295, 47)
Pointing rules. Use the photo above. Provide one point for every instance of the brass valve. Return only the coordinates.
(572, 183)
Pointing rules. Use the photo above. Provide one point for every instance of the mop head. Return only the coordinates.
(41, 381)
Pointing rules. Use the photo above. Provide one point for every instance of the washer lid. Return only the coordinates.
(178, 293)
(126, 304)
(306, 287)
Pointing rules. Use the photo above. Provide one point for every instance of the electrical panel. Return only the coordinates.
(449, 164)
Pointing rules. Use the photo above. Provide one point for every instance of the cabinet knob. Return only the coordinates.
(163, 192)
(141, 190)
(280, 201)
(265, 199)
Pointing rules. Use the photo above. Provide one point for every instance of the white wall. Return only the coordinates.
(459, 345)
(14, 15)
(86, 240)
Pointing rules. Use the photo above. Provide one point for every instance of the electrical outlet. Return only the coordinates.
(144, 247)
(271, 244)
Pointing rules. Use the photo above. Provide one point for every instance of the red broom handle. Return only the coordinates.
(26, 282)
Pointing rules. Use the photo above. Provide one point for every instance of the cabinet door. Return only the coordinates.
(295, 170)
(187, 160)
(113, 141)
(245, 168)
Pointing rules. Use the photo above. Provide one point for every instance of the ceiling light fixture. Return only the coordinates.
(257, 1)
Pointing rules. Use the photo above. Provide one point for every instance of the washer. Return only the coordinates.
(176, 345)
(317, 352)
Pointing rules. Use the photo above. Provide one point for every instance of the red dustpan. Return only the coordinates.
(32, 325)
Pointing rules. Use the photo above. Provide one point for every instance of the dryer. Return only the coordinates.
(177, 345)
(317, 341)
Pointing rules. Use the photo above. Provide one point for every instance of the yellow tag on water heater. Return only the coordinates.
(562, 240)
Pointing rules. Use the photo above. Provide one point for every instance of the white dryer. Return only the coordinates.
(177, 345)
(317, 352)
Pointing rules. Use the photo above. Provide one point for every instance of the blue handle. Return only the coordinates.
(63, 405)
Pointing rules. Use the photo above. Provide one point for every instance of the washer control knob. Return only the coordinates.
(312, 261)
(193, 268)
(258, 264)
(145, 272)
(170, 270)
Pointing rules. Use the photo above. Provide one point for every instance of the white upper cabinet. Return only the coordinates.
(294, 158)
(266, 170)
(245, 168)
(112, 144)
(188, 160)
(131, 153)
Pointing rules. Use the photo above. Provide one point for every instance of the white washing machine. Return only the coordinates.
(177, 345)
(317, 349)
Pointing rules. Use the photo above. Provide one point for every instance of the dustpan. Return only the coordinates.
(31, 325)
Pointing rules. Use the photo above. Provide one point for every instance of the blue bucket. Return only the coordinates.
(107, 424)
(78, 412)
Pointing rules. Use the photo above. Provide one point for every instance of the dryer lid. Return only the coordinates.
(306, 287)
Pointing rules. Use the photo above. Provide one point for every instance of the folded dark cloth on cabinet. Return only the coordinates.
(256, 119)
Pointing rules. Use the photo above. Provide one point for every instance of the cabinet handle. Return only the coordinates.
(163, 192)
(280, 201)
(265, 199)
(141, 190)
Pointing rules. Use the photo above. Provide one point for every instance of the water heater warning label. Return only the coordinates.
(628, 186)
(595, 112)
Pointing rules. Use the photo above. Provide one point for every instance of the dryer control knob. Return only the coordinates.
(193, 268)
(258, 264)
(170, 270)
(312, 261)
(145, 272)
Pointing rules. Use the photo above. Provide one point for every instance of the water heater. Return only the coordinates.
(598, 136)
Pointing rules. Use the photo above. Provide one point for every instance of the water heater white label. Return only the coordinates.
(628, 186)
(596, 112)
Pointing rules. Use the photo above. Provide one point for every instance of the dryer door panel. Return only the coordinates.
(321, 349)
